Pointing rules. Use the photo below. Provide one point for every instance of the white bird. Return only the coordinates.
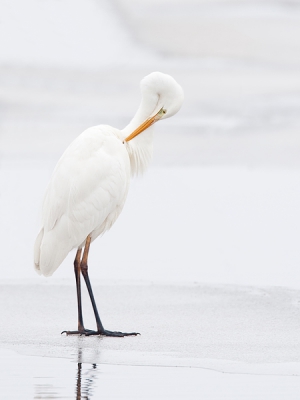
(89, 185)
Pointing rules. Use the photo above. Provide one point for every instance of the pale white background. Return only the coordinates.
(220, 202)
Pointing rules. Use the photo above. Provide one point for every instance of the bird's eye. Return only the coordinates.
(164, 111)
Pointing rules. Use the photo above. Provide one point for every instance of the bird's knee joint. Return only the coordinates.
(76, 265)
(83, 267)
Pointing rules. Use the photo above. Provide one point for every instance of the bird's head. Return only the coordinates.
(162, 97)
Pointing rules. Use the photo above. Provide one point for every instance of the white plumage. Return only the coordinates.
(90, 182)
(89, 185)
(85, 196)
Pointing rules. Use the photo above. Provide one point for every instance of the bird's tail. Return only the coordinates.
(37, 251)
(50, 249)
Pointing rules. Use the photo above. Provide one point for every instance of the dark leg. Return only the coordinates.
(78, 289)
(81, 329)
(84, 271)
(78, 383)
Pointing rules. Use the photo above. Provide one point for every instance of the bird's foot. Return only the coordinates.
(79, 332)
(104, 332)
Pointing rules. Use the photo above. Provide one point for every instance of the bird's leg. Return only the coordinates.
(78, 290)
(84, 271)
(81, 329)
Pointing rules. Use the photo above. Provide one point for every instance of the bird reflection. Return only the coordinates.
(57, 387)
(85, 380)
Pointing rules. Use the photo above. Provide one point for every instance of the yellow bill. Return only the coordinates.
(150, 121)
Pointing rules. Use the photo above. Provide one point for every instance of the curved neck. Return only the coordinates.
(140, 148)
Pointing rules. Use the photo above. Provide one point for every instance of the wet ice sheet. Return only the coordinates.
(224, 328)
(55, 378)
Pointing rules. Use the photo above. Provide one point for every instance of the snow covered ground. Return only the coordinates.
(205, 257)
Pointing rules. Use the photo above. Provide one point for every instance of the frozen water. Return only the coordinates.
(40, 377)
(225, 328)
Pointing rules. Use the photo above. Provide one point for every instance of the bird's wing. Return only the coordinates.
(89, 181)
(85, 195)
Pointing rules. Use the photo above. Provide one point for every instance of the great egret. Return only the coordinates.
(89, 185)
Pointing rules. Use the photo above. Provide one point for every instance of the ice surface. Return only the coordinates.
(225, 328)
(44, 377)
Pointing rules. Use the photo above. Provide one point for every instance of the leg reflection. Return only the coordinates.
(86, 378)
